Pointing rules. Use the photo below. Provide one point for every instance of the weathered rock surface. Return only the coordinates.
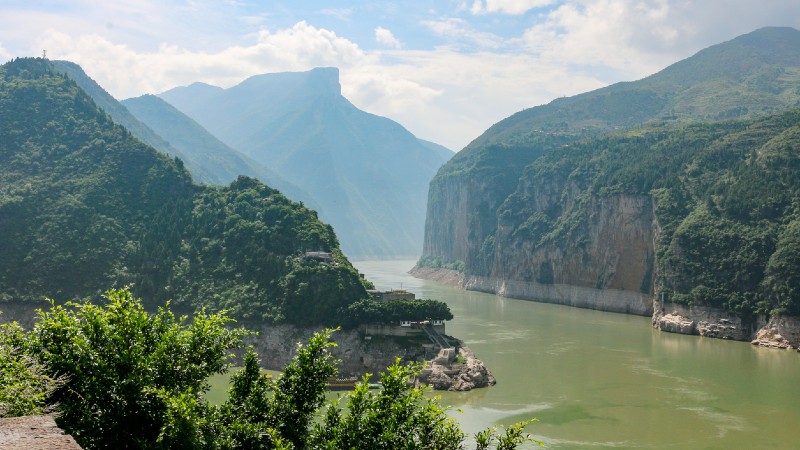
(277, 344)
(675, 323)
(445, 373)
(34, 432)
(447, 277)
(779, 332)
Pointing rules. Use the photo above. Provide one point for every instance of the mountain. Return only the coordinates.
(86, 206)
(368, 173)
(560, 203)
(122, 116)
(208, 160)
(221, 163)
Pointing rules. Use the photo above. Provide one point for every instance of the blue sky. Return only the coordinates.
(446, 70)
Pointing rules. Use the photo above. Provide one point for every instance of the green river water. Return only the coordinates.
(604, 380)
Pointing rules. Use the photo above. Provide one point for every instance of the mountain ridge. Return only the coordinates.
(86, 206)
(221, 163)
(368, 173)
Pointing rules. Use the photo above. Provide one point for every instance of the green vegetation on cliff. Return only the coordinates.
(725, 196)
(531, 198)
(85, 205)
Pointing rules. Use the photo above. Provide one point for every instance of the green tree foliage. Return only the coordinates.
(393, 311)
(136, 380)
(397, 417)
(24, 385)
(118, 361)
(84, 205)
(783, 276)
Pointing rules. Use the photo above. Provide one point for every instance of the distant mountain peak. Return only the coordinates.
(317, 81)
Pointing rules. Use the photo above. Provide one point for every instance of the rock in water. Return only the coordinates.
(448, 372)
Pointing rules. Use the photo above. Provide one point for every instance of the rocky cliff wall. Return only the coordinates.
(447, 220)
(603, 243)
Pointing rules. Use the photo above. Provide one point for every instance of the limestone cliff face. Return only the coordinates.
(590, 251)
(460, 216)
(447, 220)
(598, 253)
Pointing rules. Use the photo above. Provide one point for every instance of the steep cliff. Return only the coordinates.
(557, 203)
(702, 217)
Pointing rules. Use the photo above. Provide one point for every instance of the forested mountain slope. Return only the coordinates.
(368, 173)
(222, 163)
(86, 206)
(586, 214)
(169, 131)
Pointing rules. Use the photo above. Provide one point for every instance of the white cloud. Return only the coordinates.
(634, 38)
(512, 7)
(461, 34)
(339, 13)
(386, 38)
(125, 72)
(449, 94)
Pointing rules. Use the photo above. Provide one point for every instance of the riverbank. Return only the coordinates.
(771, 332)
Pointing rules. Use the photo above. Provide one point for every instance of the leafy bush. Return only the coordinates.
(118, 361)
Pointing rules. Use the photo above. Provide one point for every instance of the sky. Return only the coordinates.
(446, 70)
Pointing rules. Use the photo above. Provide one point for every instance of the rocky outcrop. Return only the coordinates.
(675, 323)
(447, 277)
(456, 370)
(779, 332)
(277, 344)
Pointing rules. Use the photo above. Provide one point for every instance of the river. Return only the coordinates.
(603, 380)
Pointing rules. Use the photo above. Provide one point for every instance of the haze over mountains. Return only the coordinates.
(208, 160)
(547, 205)
(369, 174)
(220, 163)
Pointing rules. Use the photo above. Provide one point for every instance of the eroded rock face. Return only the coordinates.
(446, 373)
(675, 323)
(779, 332)
(704, 321)
(605, 262)
(277, 344)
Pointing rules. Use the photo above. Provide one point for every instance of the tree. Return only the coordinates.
(24, 386)
(119, 361)
(136, 380)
